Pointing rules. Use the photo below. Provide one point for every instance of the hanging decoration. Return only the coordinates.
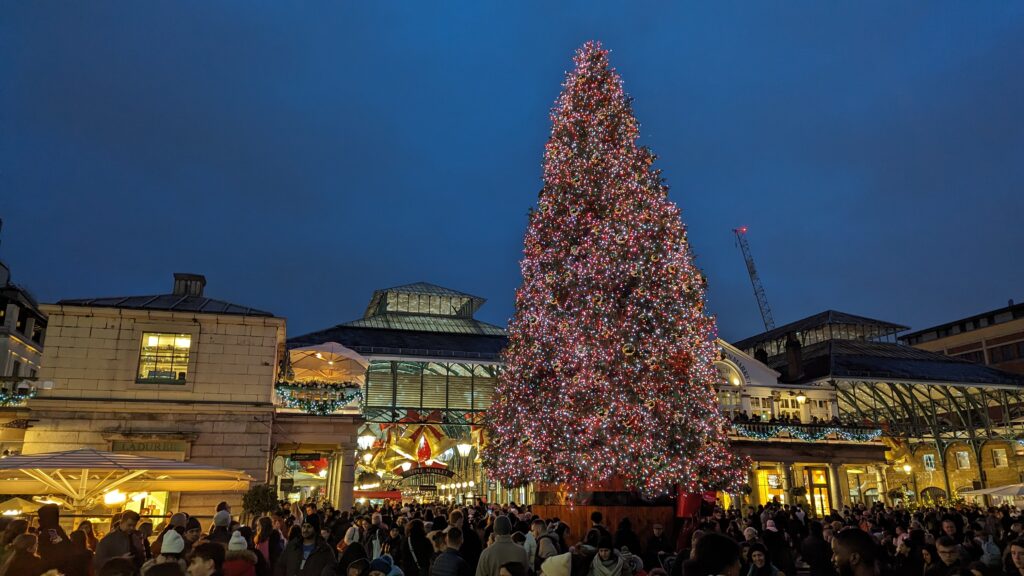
(317, 398)
(806, 433)
(16, 398)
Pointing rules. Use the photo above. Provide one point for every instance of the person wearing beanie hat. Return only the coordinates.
(240, 560)
(172, 549)
(308, 554)
(502, 552)
(384, 566)
(219, 532)
(193, 533)
(177, 520)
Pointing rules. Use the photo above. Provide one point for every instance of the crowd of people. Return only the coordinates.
(490, 540)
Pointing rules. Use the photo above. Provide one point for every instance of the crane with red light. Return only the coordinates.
(755, 280)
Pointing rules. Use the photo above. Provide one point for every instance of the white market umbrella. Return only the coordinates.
(81, 477)
(328, 362)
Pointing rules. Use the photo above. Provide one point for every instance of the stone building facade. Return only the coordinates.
(178, 376)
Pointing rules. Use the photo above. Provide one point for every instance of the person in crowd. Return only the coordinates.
(512, 569)
(120, 542)
(417, 550)
(167, 569)
(816, 552)
(307, 555)
(626, 537)
(537, 529)
(503, 551)
(23, 560)
(193, 533)
(207, 560)
(239, 560)
(713, 555)
(269, 541)
(172, 550)
(949, 552)
(761, 562)
(657, 547)
(80, 561)
(472, 546)
(16, 528)
(353, 553)
(596, 522)
(221, 524)
(855, 553)
(54, 545)
(393, 546)
(439, 542)
(177, 522)
(450, 562)
(929, 556)
(607, 562)
(384, 566)
(90, 534)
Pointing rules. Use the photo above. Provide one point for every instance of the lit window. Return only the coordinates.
(929, 462)
(164, 357)
(963, 460)
(999, 458)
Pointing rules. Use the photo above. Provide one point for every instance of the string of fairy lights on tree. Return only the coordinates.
(609, 369)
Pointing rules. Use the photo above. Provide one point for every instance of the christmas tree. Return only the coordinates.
(610, 365)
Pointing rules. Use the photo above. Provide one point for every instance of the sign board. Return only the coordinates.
(426, 471)
(427, 488)
(287, 484)
(304, 457)
(148, 446)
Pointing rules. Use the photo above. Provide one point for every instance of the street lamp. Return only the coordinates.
(907, 468)
(366, 441)
(800, 398)
(464, 449)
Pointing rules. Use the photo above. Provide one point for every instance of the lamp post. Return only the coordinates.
(909, 470)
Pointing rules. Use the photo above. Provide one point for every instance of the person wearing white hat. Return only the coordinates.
(559, 565)
(172, 549)
(239, 560)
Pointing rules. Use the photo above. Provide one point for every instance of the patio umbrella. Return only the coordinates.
(1009, 490)
(20, 504)
(328, 362)
(81, 477)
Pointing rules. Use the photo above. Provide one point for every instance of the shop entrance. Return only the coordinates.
(819, 493)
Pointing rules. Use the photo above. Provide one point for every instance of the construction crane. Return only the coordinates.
(755, 280)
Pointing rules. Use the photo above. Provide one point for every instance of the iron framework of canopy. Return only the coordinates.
(942, 413)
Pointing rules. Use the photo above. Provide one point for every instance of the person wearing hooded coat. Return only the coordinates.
(55, 547)
(352, 553)
(417, 550)
(607, 562)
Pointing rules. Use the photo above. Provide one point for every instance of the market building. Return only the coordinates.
(950, 425)
(425, 368)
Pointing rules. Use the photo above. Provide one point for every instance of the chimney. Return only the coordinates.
(761, 355)
(794, 357)
(188, 284)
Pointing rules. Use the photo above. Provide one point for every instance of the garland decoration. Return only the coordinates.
(317, 398)
(807, 433)
(8, 399)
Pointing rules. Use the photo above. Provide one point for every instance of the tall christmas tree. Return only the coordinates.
(610, 365)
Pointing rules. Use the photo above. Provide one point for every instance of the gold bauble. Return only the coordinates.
(628, 349)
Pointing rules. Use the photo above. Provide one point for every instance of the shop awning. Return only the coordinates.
(1008, 490)
(81, 477)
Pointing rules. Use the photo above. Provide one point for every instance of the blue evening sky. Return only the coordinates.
(301, 154)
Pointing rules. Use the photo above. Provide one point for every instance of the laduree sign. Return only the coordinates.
(305, 457)
(148, 446)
